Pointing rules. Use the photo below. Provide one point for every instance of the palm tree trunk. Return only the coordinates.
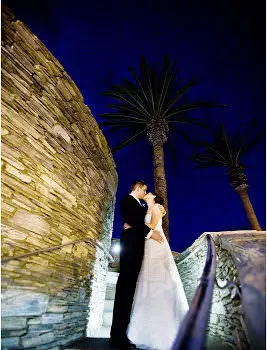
(160, 182)
(249, 210)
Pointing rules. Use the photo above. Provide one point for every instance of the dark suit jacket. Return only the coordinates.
(134, 214)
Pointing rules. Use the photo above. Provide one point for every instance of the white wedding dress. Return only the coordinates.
(159, 303)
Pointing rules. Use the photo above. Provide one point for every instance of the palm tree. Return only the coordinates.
(148, 106)
(227, 151)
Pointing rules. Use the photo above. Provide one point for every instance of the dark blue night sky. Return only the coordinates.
(96, 41)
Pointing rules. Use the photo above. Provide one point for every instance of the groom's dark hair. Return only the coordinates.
(138, 183)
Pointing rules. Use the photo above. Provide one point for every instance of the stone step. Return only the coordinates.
(111, 282)
(110, 292)
(107, 319)
(109, 305)
(112, 277)
(103, 332)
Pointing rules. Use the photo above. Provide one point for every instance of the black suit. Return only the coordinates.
(131, 256)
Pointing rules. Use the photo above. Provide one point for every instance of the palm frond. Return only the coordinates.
(243, 143)
(212, 149)
(180, 93)
(258, 137)
(121, 123)
(122, 113)
(130, 140)
(195, 105)
(150, 98)
(122, 94)
(227, 141)
(208, 161)
(185, 135)
(138, 82)
(227, 150)
(165, 90)
(188, 120)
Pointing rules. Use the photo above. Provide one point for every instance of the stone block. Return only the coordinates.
(15, 333)
(13, 234)
(51, 346)
(10, 343)
(35, 320)
(5, 191)
(23, 303)
(7, 208)
(31, 222)
(40, 328)
(57, 308)
(70, 315)
(213, 318)
(78, 308)
(31, 340)
(72, 337)
(15, 163)
(12, 323)
(218, 308)
(51, 318)
(15, 172)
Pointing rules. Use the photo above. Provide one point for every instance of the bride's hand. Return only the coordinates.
(162, 210)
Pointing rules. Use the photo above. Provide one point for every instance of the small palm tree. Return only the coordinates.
(227, 151)
(148, 107)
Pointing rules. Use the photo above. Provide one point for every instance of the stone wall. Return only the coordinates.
(226, 328)
(58, 185)
(248, 253)
(190, 265)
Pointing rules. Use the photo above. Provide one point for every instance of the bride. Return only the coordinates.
(160, 303)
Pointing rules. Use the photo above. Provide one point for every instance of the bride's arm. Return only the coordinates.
(156, 215)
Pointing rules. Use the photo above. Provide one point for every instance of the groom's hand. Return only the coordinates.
(126, 226)
(157, 236)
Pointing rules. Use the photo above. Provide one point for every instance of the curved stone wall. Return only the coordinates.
(228, 327)
(58, 185)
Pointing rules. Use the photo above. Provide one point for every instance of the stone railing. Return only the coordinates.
(191, 335)
(53, 248)
(238, 304)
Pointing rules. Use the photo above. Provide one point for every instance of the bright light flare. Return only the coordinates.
(116, 248)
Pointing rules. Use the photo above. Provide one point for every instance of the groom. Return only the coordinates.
(131, 256)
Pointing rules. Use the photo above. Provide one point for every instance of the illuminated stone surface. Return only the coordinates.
(240, 259)
(58, 185)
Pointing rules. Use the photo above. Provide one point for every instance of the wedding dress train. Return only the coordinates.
(159, 303)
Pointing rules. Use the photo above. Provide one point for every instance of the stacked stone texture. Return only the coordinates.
(226, 328)
(58, 185)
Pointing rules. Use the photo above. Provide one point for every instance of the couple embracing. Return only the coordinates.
(150, 302)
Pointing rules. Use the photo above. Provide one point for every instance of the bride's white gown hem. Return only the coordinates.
(159, 303)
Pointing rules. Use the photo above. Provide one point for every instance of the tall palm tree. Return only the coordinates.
(148, 106)
(227, 151)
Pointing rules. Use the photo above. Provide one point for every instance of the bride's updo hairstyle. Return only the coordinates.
(158, 199)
